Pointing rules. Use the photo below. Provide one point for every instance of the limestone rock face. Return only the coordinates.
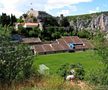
(37, 14)
(96, 22)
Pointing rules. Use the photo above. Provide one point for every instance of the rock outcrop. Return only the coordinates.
(94, 22)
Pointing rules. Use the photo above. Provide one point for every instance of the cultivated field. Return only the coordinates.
(88, 59)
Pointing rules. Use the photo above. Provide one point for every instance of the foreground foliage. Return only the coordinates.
(100, 76)
(65, 69)
(15, 61)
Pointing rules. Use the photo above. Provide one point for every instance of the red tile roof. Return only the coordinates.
(76, 40)
(31, 24)
(67, 39)
(57, 47)
(39, 48)
(63, 43)
(48, 47)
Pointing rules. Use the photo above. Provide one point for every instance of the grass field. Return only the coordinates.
(88, 59)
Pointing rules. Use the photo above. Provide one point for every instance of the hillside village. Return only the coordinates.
(42, 51)
(67, 43)
(39, 19)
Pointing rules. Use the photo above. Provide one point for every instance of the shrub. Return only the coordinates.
(98, 77)
(15, 61)
(65, 69)
(84, 34)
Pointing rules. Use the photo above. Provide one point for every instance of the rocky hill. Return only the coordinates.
(90, 21)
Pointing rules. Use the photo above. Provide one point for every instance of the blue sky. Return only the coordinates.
(54, 7)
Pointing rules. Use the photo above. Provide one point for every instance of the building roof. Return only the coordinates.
(57, 47)
(68, 39)
(31, 40)
(39, 48)
(87, 43)
(48, 47)
(76, 40)
(62, 44)
(26, 25)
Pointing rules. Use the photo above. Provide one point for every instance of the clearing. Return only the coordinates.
(88, 59)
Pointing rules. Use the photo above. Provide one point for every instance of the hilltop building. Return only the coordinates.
(37, 14)
(33, 18)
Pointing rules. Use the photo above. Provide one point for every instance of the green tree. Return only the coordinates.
(5, 20)
(13, 19)
(100, 76)
(56, 35)
(15, 61)
(50, 21)
(34, 32)
(64, 22)
(84, 34)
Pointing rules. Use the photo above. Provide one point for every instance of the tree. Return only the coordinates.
(15, 61)
(6, 30)
(84, 34)
(64, 22)
(25, 16)
(50, 21)
(56, 35)
(13, 20)
(100, 77)
(101, 47)
(5, 20)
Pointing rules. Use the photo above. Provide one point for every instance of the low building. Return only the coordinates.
(31, 41)
(64, 44)
(30, 25)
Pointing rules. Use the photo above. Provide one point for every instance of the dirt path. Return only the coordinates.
(81, 85)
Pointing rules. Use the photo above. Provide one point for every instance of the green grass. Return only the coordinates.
(88, 59)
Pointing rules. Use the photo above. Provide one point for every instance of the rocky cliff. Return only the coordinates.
(90, 21)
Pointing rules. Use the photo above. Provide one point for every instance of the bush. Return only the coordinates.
(98, 77)
(64, 70)
(84, 34)
(15, 61)
(101, 75)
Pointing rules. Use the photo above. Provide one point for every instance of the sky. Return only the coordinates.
(53, 7)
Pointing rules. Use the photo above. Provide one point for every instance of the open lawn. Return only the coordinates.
(88, 59)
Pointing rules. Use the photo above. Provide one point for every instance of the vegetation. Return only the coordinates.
(53, 82)
(15, 61)
(65, 69)
(18, 65)
(49, 33)
(84, 34)
(54, 61)
(100, 77)
(7, 20)
(85, 17)
(50, 21)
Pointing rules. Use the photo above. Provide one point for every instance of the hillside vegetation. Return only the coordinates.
(86, 16)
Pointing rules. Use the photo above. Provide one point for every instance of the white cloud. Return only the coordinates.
(10, 11)
(67, 11)
(9, 7)
(52, 4)
(64, 12)
(18, 7)
(97, 9)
